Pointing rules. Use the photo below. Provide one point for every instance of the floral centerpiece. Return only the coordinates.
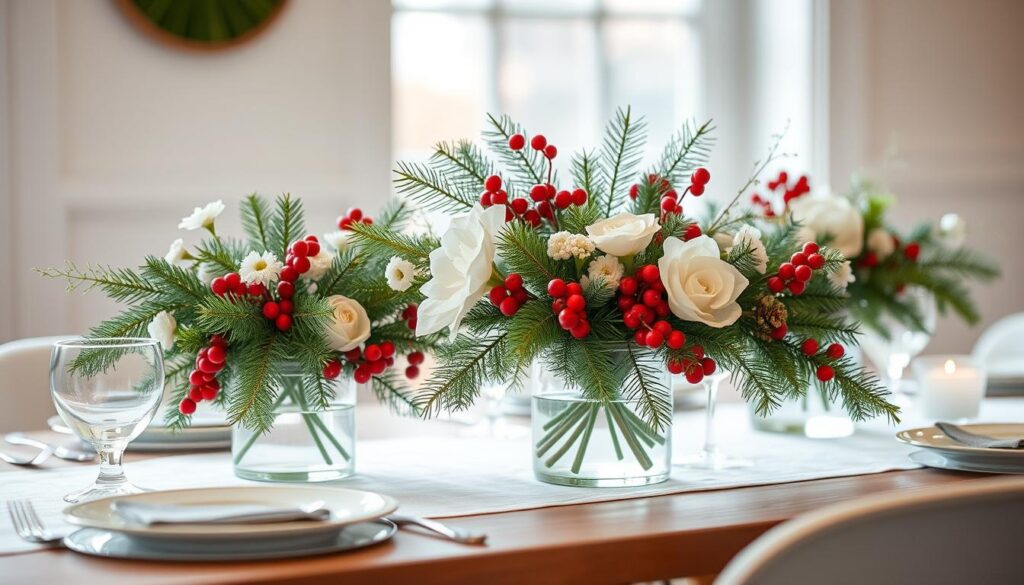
(276, 319)
(602, 283)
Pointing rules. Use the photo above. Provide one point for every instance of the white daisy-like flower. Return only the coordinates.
(608, 269)
(177, 254)
(163, 328)
(750, 236)
(259, 268)
(318, 265)
(565, 245)
(337, 240)
(202, 217)
(842, 277)
(206, 273)
(400, 273)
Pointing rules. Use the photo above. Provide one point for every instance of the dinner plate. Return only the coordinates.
(934, 439)
(347, 506)
(105, 543)
(208, 432)
(933, 459)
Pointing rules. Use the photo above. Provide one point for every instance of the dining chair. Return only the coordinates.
(970, 532)
(25, 383)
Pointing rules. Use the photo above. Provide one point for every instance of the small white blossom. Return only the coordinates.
(607, 268)
(176, 254)
(400, 273)
(206, 273)
(842, 277)
(162, 328)
(259, 268)
(318, 265)
(202, 217)
(751, 236)
(565, 245)
(337, 240)
(881, 243)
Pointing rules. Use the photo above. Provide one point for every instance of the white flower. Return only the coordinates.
(700, 285)
(312, 288)
(337, 240)
(318, 265)
(824, 215)
(460, 269)
(881, 243)
(624, 234)
(607, 268)
(724, 240)
(162, 329)
(206, 273)
(565, 245)
(202, 217)
(176, 254)
(751, 236)
(349, 326)
(259, 268)
(952, 230)
(399, 273)
(842, 276)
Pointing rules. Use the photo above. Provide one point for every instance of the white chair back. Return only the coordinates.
(1002, 341)
(952, 534)
(25, 383)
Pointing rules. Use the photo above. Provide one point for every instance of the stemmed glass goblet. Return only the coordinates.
(710, 455)
(107, 390)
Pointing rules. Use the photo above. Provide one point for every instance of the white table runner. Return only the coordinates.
(449, 476)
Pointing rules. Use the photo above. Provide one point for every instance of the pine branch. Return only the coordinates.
(390, 390)
(221, 252)
(342, 267)
(431, 189)
(463, 163)
(394, 215)
(461, 371)
(642, 386)
(621, 153)
(525, 252)
(255, 219)
(251, 404)
(380, 242)
(174, 282)
(241, 321)
(759, 167)
(687, 150)
(527, 165)
(120, 284)
(287, 226)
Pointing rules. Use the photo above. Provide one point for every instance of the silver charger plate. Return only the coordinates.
(974, 465)
(117, 545)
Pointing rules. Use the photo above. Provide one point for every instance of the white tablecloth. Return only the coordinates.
(442, 476)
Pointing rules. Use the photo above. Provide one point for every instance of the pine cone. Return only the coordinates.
(770, 314)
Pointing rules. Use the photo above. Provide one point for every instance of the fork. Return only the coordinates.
(60, 451)
(34, 461)
(27, 523)
(449, 532)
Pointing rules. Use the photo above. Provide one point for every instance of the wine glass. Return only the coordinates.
(891, 356)
(710, 455)
(107, 390)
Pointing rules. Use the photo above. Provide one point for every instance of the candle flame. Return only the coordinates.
(950, 367)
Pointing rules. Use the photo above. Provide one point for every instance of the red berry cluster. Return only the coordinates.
(494, 195)
(203, 384)
(371, 360)
(538, 143)
(279, 311)
(833, 352)
(510, 296)
(795, 274)
(570, 306)
(232, 283)
(781, 183)
(415, 359)
(641, 298)
(694, 367)
(354, 215)
(409, 316)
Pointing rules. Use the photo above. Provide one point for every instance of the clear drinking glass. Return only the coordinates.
(107, 390)
(891, 356)
(710, 455)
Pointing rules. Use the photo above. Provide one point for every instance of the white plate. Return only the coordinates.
(103, 543)
(347, 506)
(934, 439)
(204, 434)
(933, 459)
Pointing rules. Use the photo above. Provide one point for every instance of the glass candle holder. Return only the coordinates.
(950, 387)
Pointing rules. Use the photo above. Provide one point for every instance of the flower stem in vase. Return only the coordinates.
(591, 419)
(584, 412)
(555, 434)
(615, 436)
(629, 434)
(255, 436)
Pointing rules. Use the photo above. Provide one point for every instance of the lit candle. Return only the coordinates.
(950, 387)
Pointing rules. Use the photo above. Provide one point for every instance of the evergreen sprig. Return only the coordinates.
(621, 153)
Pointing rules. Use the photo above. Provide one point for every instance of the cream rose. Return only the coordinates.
(881, 243)
(700, 285)
(349, 326)
(460, 269)
(825, 215)
(624, 234)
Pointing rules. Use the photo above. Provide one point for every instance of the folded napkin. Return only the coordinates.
(975, 440)
(149, 514)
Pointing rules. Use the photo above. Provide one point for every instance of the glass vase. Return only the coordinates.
(813, 416)
(579, 441)
(305, 443)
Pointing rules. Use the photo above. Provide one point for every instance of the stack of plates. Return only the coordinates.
(356, 521)
(938, 450)
(209, 430)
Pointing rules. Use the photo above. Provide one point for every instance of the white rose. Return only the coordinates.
(176, 254)
(624, 234)
(460, 269)
(162, 328)
(202, 217)
(318, 265)
(724, 240)
(700, 285)
(349, 325)
(400, 273)
(825, 215)
(881, 243)
(952, 230)
(749, 236)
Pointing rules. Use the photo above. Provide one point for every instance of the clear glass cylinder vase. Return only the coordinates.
(579, 441)
(813, 416)
(305, 443)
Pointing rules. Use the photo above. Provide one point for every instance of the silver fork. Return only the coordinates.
(33, 461)
(450, 532)
(27, 523)
(68, 453)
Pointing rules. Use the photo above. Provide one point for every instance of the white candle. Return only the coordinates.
(951, 387)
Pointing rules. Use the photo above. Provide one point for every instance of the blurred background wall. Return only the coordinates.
(107, 138)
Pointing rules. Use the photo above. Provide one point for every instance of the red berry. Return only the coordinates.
(538, 192)
(786, 271)
(344, 223)
(517, 142)
(283, 322)
(300, 248)
(563, 199)
(544, 209)
(196, 393)
(835, 351)
(634, 190)
(209, 392)
(628, 286)
(387, 349)
(285, 289)
(568, 318)
(579, 197)
(186, 406)
(207, 367)
(667, 205)
(700, 176)
(509, 306)
(550, 151)
(654, 338)
(780, 332)
(485, 199)
(378, 366)
(312, 246)
(581, 330)
(415, 358)
(499, 197)
(695, 374)
(776, 284)
(195, 377)
(797, 287)
(798, 259)
(573, 288)
(411, 323)
(497, 295)
(826, 373)
(912, 251)
(816, 261)
(810, 248)
(355, 214)
(521, 295)
(289, 274)
(519, 205)
(651, 298)
(676, 339)
(557, 305)
(538, 142)
(239, 289)
(286, 306)
(696, 190)
(300, 264)
(232, 279)
(640, 337)
(362, 374)
(809, 346)
(271, 310)
(257, 289)
(219, 341)
(353, 355)
(492, 183)
(708, 366)
(557, 288)
(332, 369)
(576, 302)
(663, 327)
(216, 355)
(631, 321)
(675, 366)
(412, 372)
(692, 231)
(372, 352)
(802, 273)
(219, 286)
(649, 273)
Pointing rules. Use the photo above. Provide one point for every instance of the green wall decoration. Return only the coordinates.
(202, 24)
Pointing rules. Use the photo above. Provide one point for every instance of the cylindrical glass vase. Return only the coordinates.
(812, 416)
(579, 441)
(305, 443)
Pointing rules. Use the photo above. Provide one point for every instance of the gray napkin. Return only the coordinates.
(975, 440)
(149, 514)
